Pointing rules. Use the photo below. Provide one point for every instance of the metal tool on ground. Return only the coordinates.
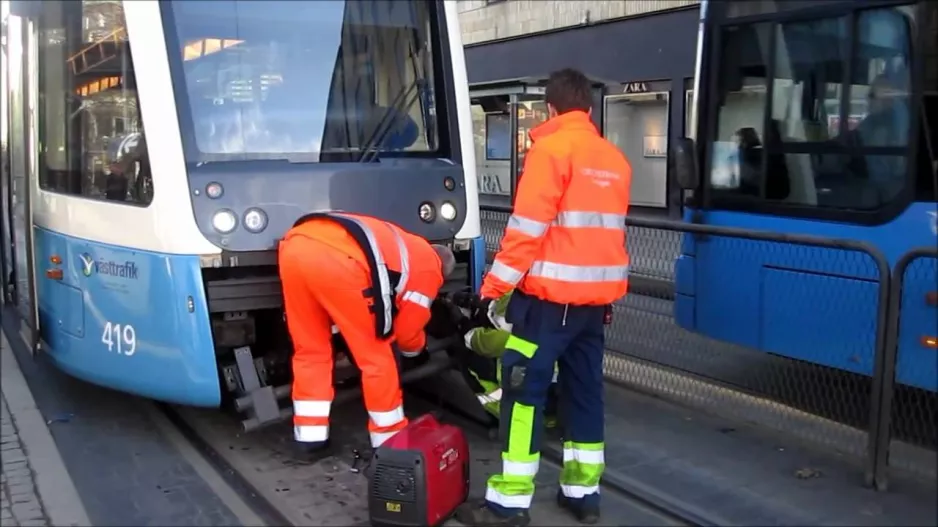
(419, 476)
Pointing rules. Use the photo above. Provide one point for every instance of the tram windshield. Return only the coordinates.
(286, 79)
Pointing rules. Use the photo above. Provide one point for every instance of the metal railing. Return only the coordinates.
(868, 417)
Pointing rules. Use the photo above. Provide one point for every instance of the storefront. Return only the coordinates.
(645, 65)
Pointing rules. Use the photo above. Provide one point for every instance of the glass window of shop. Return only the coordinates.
(491, 132)
(92, 142)
(495, 138)
(532, 111)
(636, 120)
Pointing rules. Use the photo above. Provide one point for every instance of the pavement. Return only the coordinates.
(36, 487)
(132, 468)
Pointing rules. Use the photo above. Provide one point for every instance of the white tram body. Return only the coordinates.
(155, 152)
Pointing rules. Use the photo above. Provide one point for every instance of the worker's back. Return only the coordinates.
(422, 261)
(589, 230)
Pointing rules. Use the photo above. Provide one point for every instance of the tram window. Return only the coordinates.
(91, 137)
(262, 79)
(817, 144)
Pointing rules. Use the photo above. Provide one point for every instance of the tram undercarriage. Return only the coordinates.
(253, 347)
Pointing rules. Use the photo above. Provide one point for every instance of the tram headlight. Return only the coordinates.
(427, 212)
(448, 211)
(255, 220)
(224, 221)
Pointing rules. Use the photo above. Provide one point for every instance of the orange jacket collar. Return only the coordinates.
(575, 120)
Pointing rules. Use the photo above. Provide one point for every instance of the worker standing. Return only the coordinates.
(564, 251)
(374, 282)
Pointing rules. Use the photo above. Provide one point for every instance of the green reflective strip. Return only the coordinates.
(585, 446)
(579, 473)
(520, 433)
(521, 346)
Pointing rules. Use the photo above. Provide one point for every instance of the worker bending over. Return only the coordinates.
(564, 255)
(375, 283)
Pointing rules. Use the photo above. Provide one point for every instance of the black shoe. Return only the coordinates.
(310, 452)
(588, 515)
(479, 514)
(314, 446)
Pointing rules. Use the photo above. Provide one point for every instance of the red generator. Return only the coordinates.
(419, 476)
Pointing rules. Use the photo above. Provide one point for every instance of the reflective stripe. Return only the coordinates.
(311, 408)
(411, 354)
(532, 228)
(335, 330)
(417, 298)
(492, 397)
(378, 438)
(389, 418)
(510, 502)
(554, 378)
(525, 348)
(310, 434)
(592, 457)
(382, 270)
(505, 273)
(578, 491)
(514, 468)
(579, 273)
(405, 261)
(578, 219)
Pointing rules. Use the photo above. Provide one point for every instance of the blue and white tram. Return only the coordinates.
(162, 149)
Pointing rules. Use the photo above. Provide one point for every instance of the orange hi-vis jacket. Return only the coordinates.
(565, 240)
(406, 272)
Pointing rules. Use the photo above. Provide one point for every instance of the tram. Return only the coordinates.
(155, 153)
(814, 118)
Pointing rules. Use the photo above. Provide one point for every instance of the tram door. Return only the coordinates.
(19, 166)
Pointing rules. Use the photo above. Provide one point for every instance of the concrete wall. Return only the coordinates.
(482, 21)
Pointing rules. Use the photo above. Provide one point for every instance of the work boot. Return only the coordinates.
(586, 514)
(479, 514)
(308, 452)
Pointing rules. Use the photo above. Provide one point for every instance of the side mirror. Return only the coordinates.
(683, 164)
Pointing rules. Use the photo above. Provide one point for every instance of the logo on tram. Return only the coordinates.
(89, 266)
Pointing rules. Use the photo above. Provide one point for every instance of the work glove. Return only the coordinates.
(480, 310)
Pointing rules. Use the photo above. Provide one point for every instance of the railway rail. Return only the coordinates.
(281, 485)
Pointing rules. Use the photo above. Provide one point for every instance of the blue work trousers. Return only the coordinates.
(545, 334)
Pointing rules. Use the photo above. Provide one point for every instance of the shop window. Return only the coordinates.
(89, 120)
(822, 140)
(638, 124)
(497, 137)
(531, 113)
(492, 152)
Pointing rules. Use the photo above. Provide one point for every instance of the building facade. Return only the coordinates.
(642, 52)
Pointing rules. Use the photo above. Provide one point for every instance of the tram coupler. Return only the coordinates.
(438, 363)
(263, 400)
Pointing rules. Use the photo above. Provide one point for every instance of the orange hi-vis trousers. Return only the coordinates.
(322, 286)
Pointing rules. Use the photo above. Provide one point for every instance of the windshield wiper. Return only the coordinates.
(399, 109)
(391, 119)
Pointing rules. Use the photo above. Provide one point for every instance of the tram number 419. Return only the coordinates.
(121, 336)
